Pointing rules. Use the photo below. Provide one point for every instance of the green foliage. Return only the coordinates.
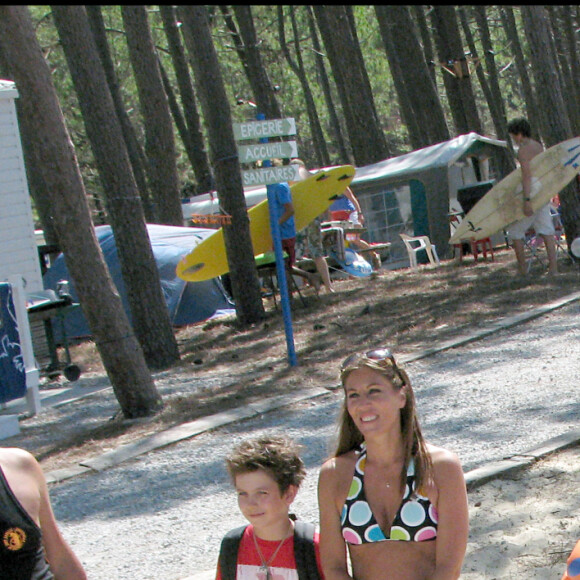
(54, 55)
(380, 78)
(290, 95)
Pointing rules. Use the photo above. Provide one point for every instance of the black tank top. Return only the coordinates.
(21, 551)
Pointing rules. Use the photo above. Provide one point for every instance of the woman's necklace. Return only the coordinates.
(265, 566)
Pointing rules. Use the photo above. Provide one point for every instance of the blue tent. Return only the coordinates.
(188, 302)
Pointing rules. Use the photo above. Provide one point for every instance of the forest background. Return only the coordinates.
(125, 110)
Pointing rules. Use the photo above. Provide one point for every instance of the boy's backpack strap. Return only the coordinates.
(304, 551)
(228, 557)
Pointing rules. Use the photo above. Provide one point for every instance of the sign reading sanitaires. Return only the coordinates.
(268, 175)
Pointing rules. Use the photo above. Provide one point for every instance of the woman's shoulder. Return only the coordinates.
(445, 462)
(21, 469)
(335, 479)
(440, 453)
(15, 457)
(339, 466)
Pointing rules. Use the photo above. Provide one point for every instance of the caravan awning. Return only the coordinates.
(440, 155)
(435, 156)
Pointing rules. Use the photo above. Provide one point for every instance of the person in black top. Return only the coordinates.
(31, 545)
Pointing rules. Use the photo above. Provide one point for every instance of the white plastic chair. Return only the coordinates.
(415, 244)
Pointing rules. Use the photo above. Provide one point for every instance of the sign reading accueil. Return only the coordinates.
(260, 151)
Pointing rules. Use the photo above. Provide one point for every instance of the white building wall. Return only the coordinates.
(18, 249)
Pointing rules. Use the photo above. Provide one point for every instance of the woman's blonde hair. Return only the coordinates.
(414, 446)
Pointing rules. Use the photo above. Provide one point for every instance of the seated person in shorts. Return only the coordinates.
(347, 208)
(312, 235)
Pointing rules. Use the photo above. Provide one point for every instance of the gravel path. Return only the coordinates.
(163, 515)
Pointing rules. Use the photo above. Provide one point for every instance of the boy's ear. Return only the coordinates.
(290, 494)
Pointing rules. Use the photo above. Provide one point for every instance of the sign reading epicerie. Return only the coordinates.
(264, 129)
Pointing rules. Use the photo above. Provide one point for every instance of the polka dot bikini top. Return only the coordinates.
(416, 519)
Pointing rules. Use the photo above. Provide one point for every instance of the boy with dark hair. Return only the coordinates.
(267, 473)
(520, 126)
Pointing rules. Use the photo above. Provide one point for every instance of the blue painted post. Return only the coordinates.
(280, 267)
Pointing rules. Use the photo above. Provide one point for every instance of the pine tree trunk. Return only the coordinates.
(320, 141)
(159, 138)
(417, 133)
(557, 126)
(297, 67)
(254, 68)
(456, 77)
(335, 126)
(136, 154)
(509, 24)
(572, 52)
(54, 155)
(223, 152)
(490, 89)
(507, 163)
(36, 185)
(565, 71)
(365, 134)
(500, 117)
(140, 274)
(176, 112)
(197, 152)
(420, 92)
(427, 44)
(548, 88)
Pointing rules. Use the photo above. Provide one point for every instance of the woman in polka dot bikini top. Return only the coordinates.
(399, 503)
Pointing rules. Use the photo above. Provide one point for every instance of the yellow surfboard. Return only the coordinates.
(310, 198)
(502, 205)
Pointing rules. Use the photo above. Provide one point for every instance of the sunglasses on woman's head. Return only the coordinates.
(378, 355)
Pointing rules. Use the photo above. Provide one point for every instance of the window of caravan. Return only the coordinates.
(388, 212)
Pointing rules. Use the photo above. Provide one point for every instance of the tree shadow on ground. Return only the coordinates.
(224, 366)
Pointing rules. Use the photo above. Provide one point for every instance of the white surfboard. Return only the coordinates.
(502, 205)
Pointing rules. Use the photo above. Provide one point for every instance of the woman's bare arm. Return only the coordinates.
(332, 546)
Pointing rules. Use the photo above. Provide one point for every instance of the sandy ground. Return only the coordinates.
(505, 398)
(526, 526)
(523, 526)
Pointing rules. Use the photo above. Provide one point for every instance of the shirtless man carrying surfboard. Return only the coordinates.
(541, 220)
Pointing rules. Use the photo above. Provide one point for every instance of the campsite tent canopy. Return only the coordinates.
(188, 302)
(435, 156)
(413, 193)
